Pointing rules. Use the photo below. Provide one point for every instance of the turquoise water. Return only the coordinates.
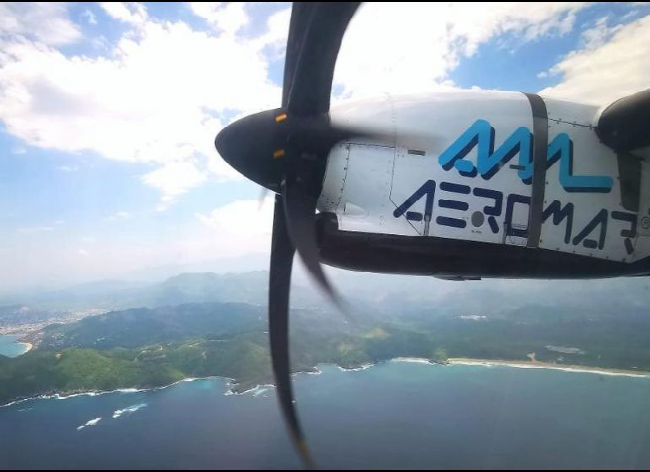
(391, 415)
(9, 347)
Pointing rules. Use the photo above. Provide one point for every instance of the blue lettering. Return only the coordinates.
(559, 214)
(481, 135)
(491, 210)
(561, 148)
(599, 220)
(453, 204)
(427, 190)
(512, 230)
(628, 234)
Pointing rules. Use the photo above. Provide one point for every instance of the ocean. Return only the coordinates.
(9, 347)
(393, 415)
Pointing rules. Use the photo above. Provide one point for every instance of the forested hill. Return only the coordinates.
(144, 348)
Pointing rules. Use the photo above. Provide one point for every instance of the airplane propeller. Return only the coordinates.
(285, 150)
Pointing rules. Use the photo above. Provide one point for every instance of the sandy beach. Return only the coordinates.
(547, 365)
(411, 360)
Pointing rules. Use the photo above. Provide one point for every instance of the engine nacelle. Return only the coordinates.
(478, 173)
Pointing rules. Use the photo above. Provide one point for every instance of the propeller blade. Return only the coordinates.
(282, 252)
(300, 211)
(301, 13)
(310, 76)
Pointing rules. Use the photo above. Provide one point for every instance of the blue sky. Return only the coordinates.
(107, 113)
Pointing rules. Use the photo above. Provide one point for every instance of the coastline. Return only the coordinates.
(17, 340)
(232, 385)
(96, 393)
(548, 366)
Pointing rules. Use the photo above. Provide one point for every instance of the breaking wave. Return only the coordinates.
(127, 411)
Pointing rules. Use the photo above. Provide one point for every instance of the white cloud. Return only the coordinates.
(274, 41)
(598, 35)
(242, 217)
(100, 43)
(89, 17)
(157, 96)
(174, 179)
(46, 22)
(34, 229)
(68, 168)
(614, 62)
(120, 215)
(228, 18)
(242, 225)
(83, 252)
(128, 12)
(413, 47)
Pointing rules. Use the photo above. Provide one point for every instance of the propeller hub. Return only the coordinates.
(272, 146)
(255, 147)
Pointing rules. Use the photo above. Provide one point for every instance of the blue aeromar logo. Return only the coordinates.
(481, 136)
(496, 205)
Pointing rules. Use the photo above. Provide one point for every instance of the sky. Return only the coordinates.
(108, 112)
